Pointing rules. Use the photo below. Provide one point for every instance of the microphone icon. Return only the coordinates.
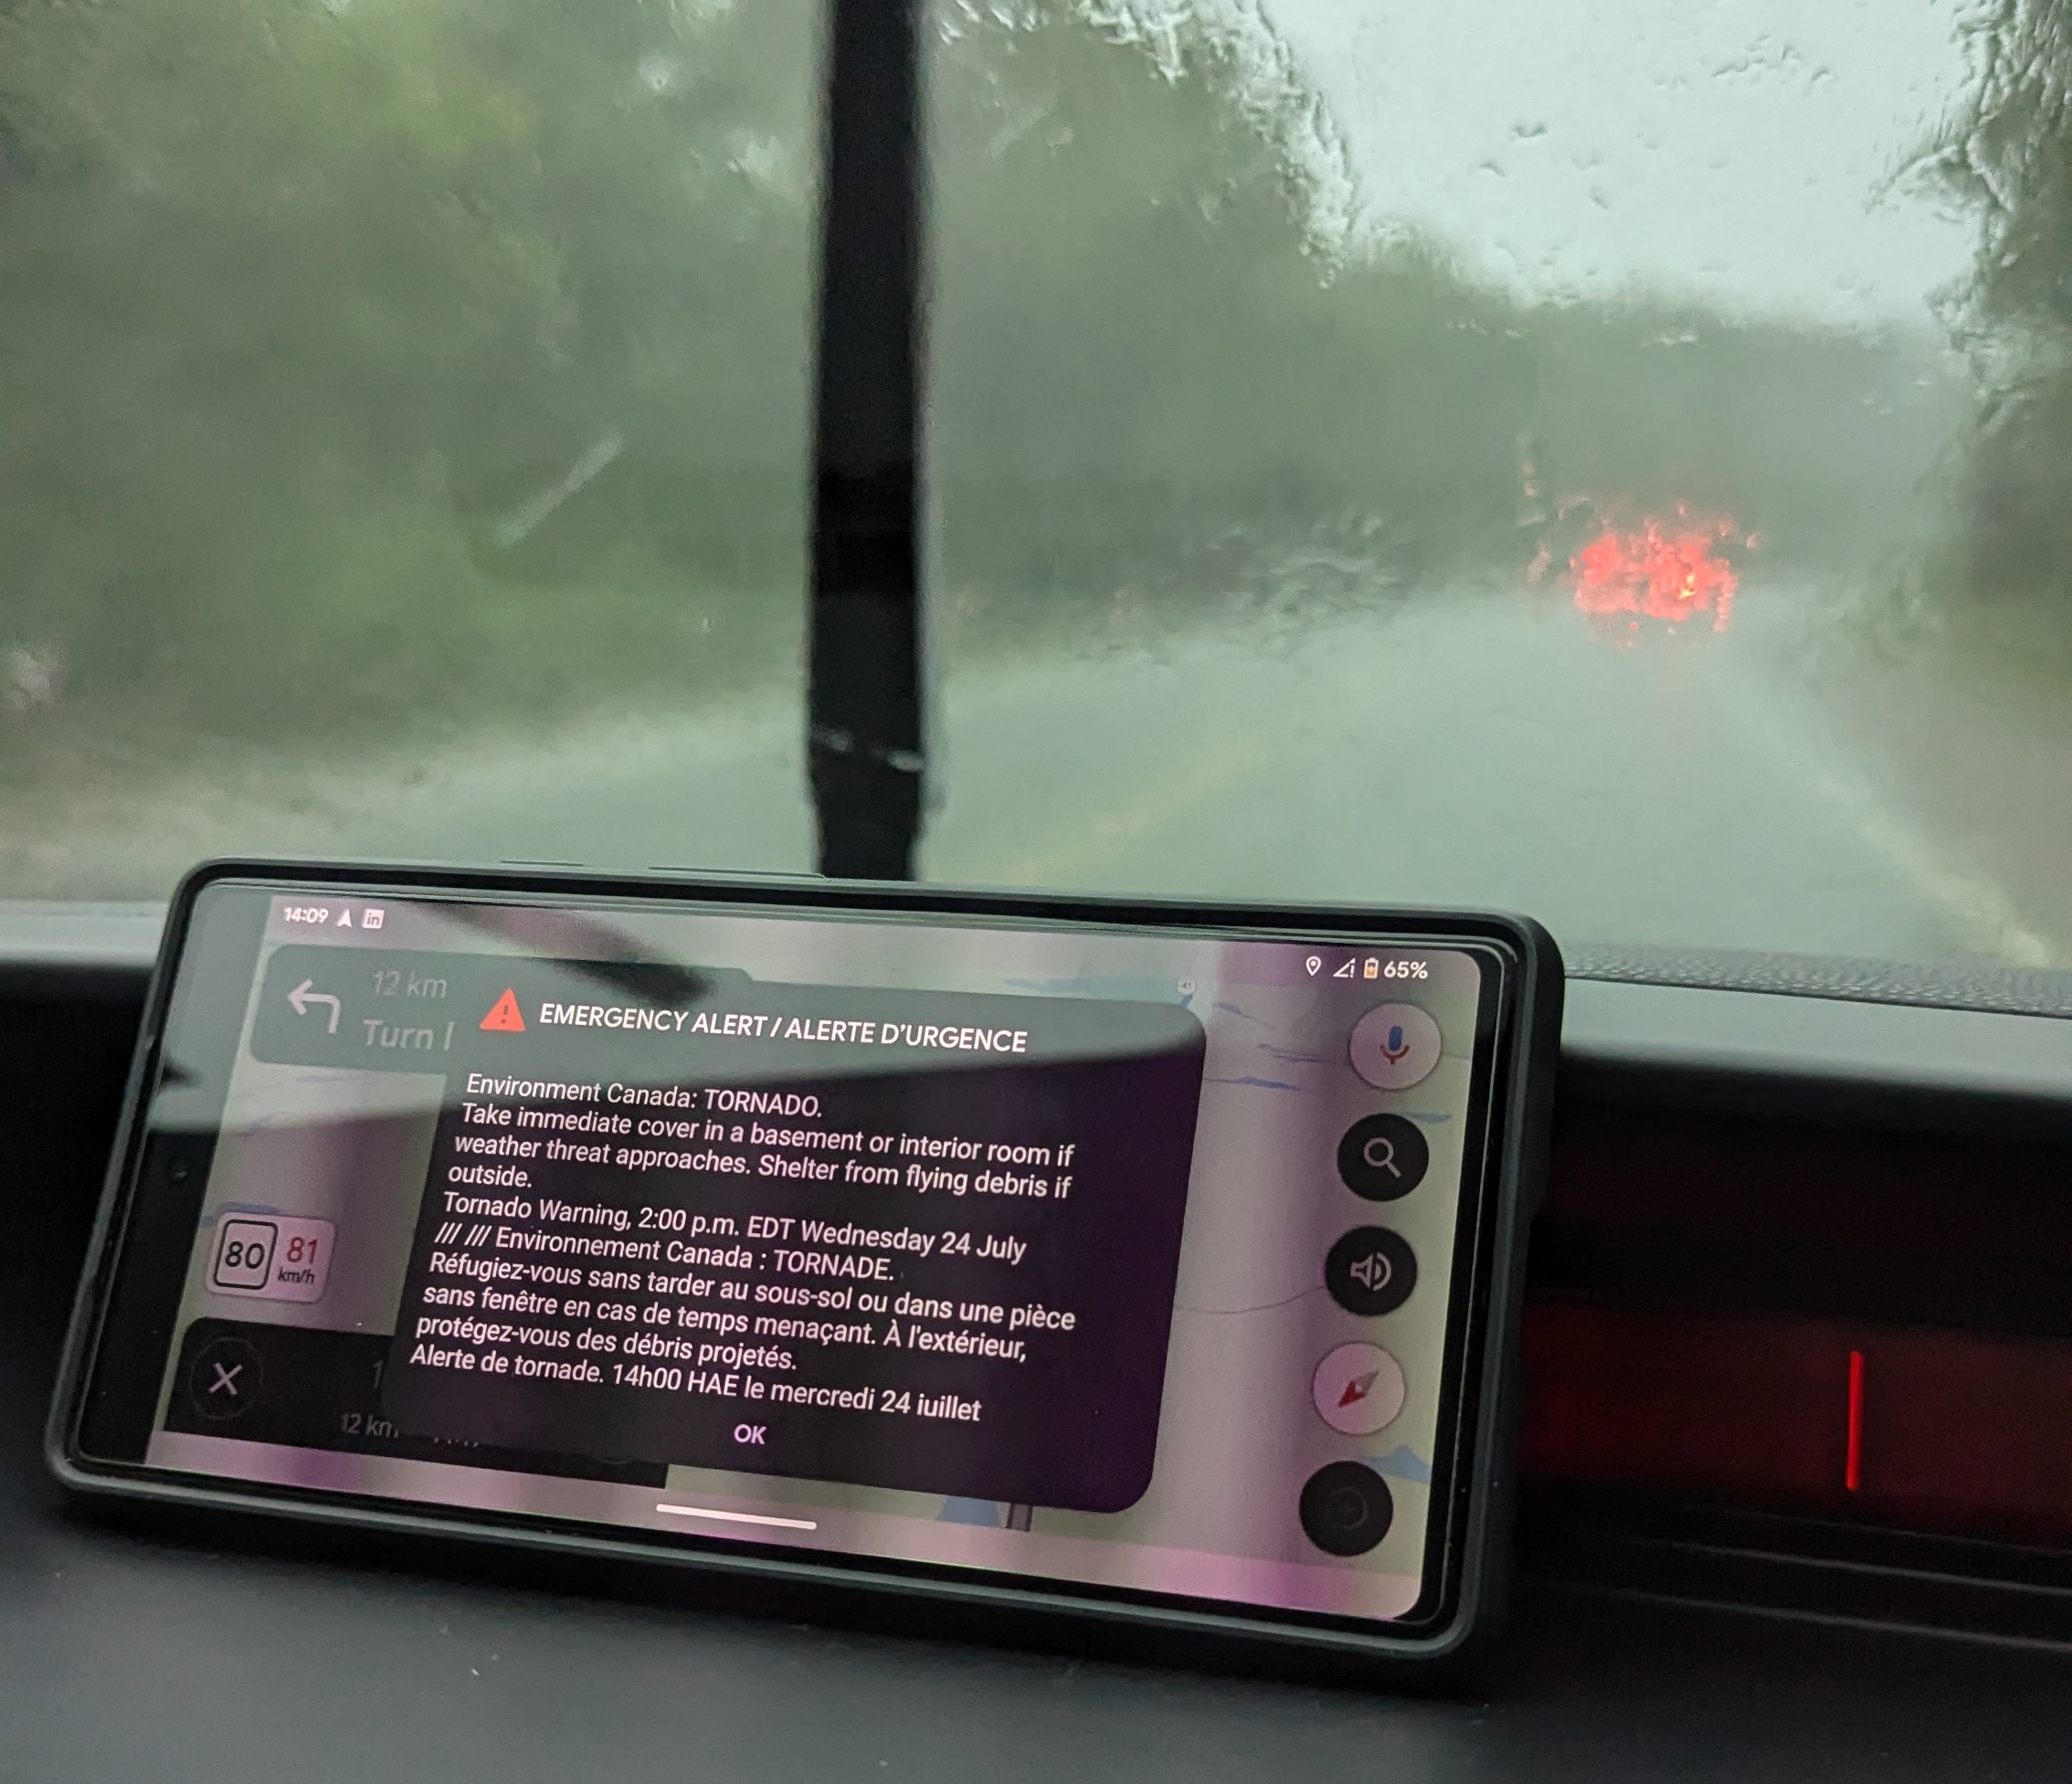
(1394, 1046)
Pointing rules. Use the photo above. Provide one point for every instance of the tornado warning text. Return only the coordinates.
(922, 1241)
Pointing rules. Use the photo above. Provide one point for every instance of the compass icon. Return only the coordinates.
(1358, 1389)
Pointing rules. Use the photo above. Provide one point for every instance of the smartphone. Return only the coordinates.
(1157, 1263)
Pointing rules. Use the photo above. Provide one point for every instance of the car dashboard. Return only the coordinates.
(1799, 1370)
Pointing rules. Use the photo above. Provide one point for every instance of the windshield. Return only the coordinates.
(1602, 463)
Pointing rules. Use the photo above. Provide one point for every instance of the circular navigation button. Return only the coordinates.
(1358, 1389)
(1383, 1156)
(1370, 1271)
(1345, 1508)
(225, 1378)
(1395, 1046)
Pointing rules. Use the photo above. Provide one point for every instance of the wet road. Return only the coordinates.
(1485, 749)
(1687, 790)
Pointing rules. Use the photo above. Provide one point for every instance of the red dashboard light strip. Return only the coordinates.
(1852, 1470)
(1736, 1408)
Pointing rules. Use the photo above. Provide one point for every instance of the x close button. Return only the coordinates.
(225, 1378)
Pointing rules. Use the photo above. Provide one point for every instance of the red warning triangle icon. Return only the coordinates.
(503, 1016)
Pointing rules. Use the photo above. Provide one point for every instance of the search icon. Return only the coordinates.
(1382, 1158)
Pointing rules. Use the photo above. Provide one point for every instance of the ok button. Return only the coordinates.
(225, 1378)
(751, 1433)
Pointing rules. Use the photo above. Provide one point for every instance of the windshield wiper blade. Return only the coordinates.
(865, 750)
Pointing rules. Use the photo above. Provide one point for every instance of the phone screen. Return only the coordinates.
(1125, 1258)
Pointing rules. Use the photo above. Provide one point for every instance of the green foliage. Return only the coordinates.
(1144, 369)
(2007, 155)
(299, 303)
(1151, 374)
(370, 366)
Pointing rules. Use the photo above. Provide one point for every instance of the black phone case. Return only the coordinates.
(1481, 1505)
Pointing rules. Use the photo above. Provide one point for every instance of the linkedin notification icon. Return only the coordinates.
(1370, 1271)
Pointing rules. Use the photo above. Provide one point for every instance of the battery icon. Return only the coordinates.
(1373, 968)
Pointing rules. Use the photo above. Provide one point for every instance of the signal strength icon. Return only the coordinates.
(1344, 971)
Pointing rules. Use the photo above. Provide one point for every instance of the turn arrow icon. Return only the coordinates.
(302, 996)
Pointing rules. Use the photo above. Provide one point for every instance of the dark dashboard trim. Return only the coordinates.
(1658, 1048)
